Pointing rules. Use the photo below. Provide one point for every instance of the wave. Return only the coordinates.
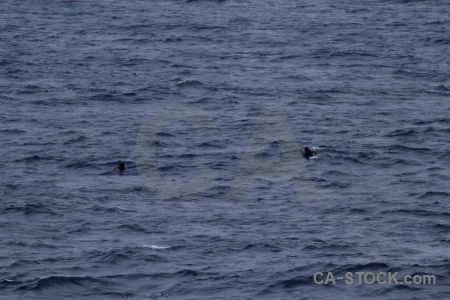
(394, 148)
(105, 97)
(419, 212)
(344, 158)
(193, 1)
(413, 74)
(81, 165)
(8, 283)
(187, 273)
(330, 247)
(439, 120)
(62, 282)
(123, 256)
(12, 131)
(262, 247)
(110, 209)
(373, 266)
(190, 83)
(79, 139)
(294, 282)
(341, 185)
(33, 158)
(433, 194)
(30, 209)
(133, 227)
(155, 247)
(21, 263)
(4, 62)
(443, 227)
(402, 132)
(400, 161)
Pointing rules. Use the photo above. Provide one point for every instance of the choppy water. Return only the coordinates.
(208, 104)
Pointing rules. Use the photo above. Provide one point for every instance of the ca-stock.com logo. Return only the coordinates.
(155, 146)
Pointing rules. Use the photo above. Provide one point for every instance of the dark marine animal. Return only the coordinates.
(308, 153)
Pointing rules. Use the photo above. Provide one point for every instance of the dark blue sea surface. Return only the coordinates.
(209, 105)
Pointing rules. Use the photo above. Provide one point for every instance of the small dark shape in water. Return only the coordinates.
(308, 153)
(121, 166)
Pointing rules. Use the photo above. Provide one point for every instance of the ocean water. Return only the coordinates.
(209, 104)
